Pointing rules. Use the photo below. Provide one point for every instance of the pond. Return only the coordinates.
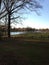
(17, 33)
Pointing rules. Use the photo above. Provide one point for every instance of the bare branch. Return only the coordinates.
(2, 16)
(15, 18)
(21, 5)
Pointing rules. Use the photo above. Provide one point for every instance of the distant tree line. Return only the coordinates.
(30, 29)
(23, 29)
(5, 28)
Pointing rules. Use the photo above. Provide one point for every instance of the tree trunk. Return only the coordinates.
(9, 25)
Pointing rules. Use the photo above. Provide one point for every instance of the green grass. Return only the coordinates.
(39, 36)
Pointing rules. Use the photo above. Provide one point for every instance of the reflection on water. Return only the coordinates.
(16, 33)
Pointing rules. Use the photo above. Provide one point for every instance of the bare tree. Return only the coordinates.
(11, 7)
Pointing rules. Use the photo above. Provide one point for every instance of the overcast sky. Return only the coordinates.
(35, 21)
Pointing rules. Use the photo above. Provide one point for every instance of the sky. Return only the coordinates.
(37, 21)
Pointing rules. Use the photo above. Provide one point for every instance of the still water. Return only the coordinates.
(16, 33)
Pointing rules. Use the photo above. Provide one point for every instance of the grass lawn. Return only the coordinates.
(24, 51)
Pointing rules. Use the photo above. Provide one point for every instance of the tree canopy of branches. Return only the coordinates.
(11, 7)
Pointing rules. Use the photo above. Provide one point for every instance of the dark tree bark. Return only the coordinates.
(9, 15)
(0, 3)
